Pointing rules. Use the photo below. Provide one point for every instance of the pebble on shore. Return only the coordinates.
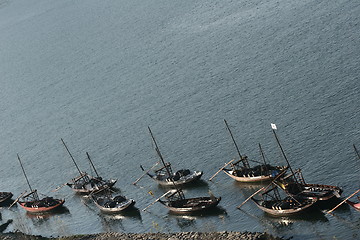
(151, 236)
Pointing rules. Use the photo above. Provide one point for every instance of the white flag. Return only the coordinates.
(273, 126)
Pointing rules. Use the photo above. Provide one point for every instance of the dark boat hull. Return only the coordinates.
(88, 188)
(165, 181)
(113, 206)
(5, 198)
(191, 204)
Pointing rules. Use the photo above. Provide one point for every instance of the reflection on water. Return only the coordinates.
(198, 185)
(207, 213)
(47, 215)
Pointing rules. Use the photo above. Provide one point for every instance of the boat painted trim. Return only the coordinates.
(41, 209)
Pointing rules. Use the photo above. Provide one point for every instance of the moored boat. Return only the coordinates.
(180, 177)
(175, 199)
(112, 204)
(85, 183)
(241, 170)
(272, 203)
(295, 184)
(177, 203)
(283, 207)
(165, 176)
(32, 203)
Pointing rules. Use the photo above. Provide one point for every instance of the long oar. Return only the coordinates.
(158, 199)
(343, 201)
(137, 180)
(263, 188)
(17, 199)
(74, 180)
(221, 169)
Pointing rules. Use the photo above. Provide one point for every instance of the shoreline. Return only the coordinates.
(147, 236)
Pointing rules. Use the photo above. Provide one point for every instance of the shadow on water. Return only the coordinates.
(39, 219)
(252, 186)
(198, 184)
(188, 220)
(216, 211)
(133, 213)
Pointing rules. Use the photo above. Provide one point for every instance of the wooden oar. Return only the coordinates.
(137, 180)
(263, 188)
(59, 187)
(158, 199)
(343, 201)
(221, 169)
(17, 199)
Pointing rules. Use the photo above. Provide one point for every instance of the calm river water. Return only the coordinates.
(97, 73)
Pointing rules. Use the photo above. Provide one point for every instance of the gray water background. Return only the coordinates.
(97, 73)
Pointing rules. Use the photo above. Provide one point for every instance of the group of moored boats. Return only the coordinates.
(286, 192)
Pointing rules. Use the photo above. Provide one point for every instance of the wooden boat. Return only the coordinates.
(295, 184)
(32, 203)
(85, 183)
(177, 203)
(242, 172)
(5, 197)
(180, 177)
(175, 199)
(166, 177)
(109, 204)
(287, 206)
(355, 205)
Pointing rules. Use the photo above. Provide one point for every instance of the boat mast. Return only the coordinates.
(92, 164)
(262, 154)
(273, 126)
(243, 159)
(181, 194)
(27, 180)
(356, 151)
(71, 157)
(159, 153)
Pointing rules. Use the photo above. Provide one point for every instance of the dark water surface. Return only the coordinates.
(97, 73)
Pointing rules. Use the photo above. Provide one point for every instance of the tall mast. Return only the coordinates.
(356, 151)
(159, 153)
(273, 126)
(245, 162)
(27, 180)
(262, 153)
(92, 164)
(181, 194)
(71, 156)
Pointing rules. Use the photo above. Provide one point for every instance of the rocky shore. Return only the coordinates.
(150, 236)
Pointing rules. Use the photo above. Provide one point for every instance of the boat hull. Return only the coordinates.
(354, 204)
(41, 209)
(279, 211)
(249, 178)
(117, 208)
(5, 197)
(192, 204)
(195, 175)
(87, 189)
